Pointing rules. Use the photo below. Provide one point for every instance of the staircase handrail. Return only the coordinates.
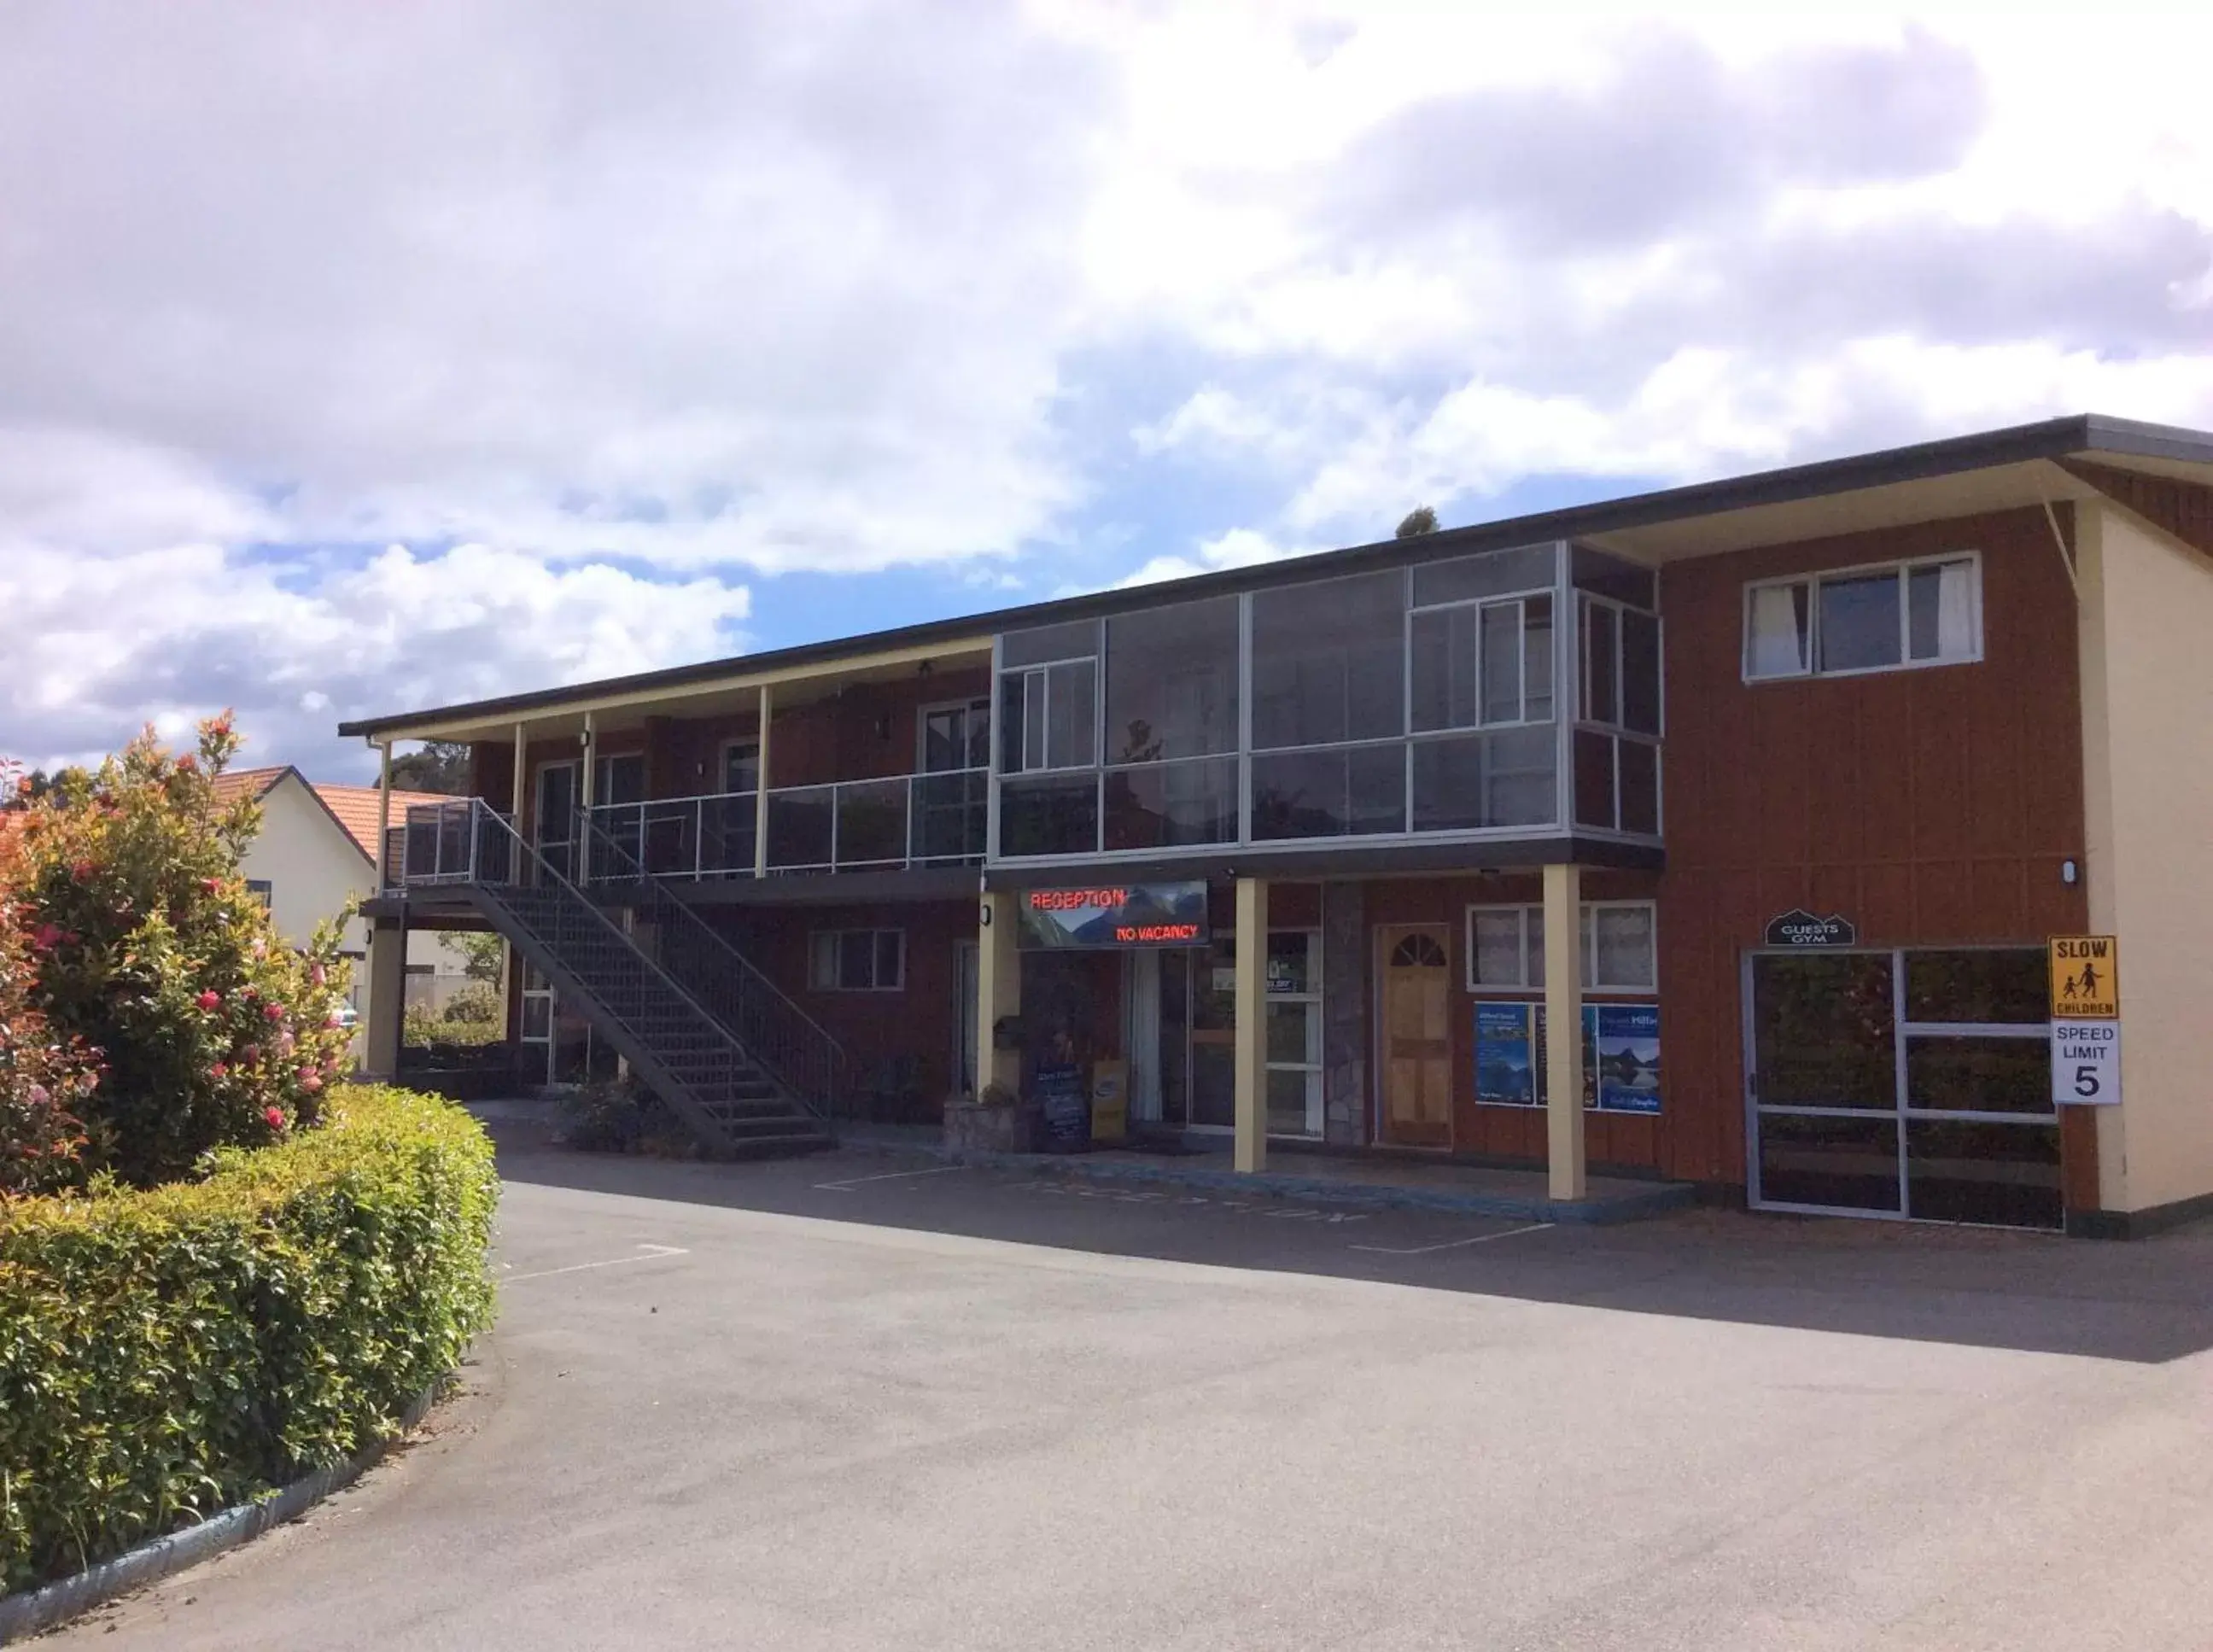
(813, 1065)
(548, 875)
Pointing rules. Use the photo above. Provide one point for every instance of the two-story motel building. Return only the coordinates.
(1714, 834)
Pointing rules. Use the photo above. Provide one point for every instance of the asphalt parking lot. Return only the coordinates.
(861, 1401)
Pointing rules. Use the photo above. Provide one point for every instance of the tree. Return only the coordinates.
(485, 952)
(1418, 521)
(26, 788)
(150, 949)
(442, 766)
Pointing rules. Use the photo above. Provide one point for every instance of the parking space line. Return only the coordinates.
(1450, 1244)
(646, 1253)
(888, 1175)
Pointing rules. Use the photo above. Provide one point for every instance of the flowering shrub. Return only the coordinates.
(44, 1076)
(147, 948)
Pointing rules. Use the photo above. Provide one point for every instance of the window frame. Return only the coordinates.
(1042, 672)
(1532, 928)
(737, 743)
(969, 705)
(835, 939)
(1901, 568)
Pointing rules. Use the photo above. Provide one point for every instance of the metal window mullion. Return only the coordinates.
(1939, 1115)
(1406, 694)
(1977, 1029)
(1245, 718)
(1567, 655)
(1897, 1041)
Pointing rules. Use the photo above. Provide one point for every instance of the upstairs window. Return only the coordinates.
(1888, 618)
(1049, 714)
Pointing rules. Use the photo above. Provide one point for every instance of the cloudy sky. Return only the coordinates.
(355, 358)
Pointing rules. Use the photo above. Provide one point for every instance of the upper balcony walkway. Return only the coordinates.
(916, 822)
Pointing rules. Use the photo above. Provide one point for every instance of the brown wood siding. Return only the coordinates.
(920, 1020)
(2182, 508)
(870, 732)
(1929, 806)
(1614, 1140)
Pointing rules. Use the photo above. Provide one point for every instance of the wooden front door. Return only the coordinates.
(1416, 994)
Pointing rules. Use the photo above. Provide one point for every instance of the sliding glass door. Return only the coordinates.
(1906, 1084)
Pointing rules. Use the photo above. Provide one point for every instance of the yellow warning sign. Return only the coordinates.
(2085, 978)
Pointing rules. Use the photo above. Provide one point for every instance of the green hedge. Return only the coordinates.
(165, 1354)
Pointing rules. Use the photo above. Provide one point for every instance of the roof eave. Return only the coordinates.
(2054, 438)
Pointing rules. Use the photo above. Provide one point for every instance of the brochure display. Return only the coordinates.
(1621, 1056)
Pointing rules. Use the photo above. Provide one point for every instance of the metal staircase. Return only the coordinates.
(735, 1105)
(790, 1045)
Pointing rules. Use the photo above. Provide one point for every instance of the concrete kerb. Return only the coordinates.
(32, 1611)
(1658, 1199)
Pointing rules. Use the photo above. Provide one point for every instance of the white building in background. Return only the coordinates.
(316, 851)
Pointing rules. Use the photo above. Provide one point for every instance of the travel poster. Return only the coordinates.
(1621, 1056)
(1627, 1037)
(1505, 1056)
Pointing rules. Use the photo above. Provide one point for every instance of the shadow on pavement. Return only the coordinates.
(2146, 1300)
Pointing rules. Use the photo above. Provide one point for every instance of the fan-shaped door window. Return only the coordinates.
(1418, 951)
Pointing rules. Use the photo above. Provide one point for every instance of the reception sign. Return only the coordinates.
(1117, 915)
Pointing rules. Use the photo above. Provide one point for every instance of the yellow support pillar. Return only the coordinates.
(999, 989)
(1251, 1067)
(1563, 1032)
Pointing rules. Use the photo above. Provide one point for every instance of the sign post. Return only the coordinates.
(2086, 1020)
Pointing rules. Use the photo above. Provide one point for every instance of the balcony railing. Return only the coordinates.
(888, 824)
(454, 842)
(685, 838)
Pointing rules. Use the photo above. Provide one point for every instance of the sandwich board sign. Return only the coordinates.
(2086, 1020)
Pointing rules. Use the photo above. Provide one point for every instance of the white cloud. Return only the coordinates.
(1241, 548)
(626, 305)
(167, 635)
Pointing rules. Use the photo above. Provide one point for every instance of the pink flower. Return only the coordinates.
(210, 1000)
(284, 1044)
(218, 1071)
(188, 763)
(334, 1020)
(273, 1117)
(316, 974)
(48, 936)
(213, 886)
(250, 1054)
(310, 1080)
(274, 1012)
(81, 872)
(39, 1095)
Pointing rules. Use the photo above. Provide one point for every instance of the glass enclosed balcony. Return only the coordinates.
(1510, 694)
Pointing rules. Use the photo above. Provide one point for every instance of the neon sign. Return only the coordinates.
(1116, 915)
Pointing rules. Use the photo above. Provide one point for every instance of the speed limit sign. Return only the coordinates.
(2086, 1063)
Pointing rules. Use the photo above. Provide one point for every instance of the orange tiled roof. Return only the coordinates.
(355, 808)
(234, 783)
